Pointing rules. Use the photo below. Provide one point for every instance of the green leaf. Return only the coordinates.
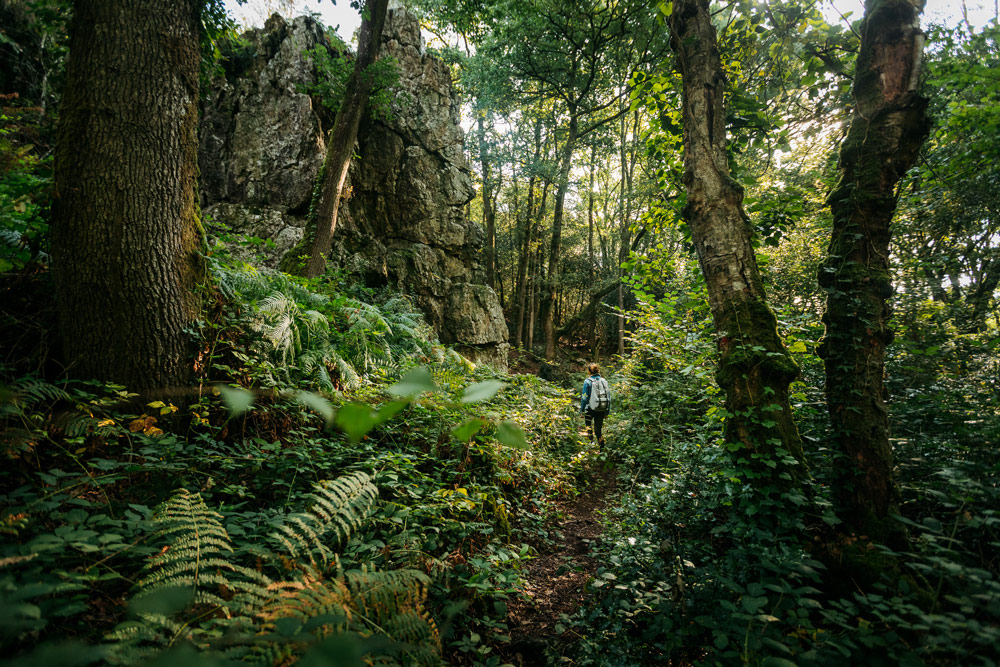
(414, 383)
(355, 419)
(237, 399)
(797, 347)
(772, 661)
(389, 410)
(317, 404)
(463, 432)
(482, 391)
(512, 435)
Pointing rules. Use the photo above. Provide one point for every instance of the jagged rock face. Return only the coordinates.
(403, 225)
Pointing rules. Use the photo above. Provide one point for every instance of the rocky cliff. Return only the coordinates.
(403, 225)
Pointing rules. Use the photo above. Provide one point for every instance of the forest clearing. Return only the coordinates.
(499, 333)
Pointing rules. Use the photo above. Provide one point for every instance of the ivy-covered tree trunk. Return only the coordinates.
(126, 236)
(888, 126)
(755, 369)
(345, 133)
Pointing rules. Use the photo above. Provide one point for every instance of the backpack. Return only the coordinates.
(600, 395)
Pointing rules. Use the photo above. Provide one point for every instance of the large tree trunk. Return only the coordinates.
(888, 126)
(126, 236)
(548, 309)
(345, 133)
(755, 369)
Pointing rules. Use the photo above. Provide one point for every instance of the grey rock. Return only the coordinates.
(403, 223)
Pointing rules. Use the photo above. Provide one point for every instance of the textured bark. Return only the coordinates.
(345, 134)
(755, 369)
(126, 233)
(888, 126)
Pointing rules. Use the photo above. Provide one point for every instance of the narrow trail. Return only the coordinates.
(556, 578)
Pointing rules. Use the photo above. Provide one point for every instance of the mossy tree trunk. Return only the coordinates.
(126, 236)
(344, 134)
(887, 129)
(755, 369)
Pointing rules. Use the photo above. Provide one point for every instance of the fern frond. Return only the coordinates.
(339, 507)
(198, 559)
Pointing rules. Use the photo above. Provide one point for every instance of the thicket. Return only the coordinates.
(335, 484)
(704, 564)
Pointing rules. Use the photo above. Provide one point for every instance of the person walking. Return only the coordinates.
(595, 403)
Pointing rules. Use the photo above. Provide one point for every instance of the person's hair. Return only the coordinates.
(594, 369)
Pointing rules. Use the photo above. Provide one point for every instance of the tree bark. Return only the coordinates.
(126, 235)
(345, 133)
(755, 369)
(888, 126)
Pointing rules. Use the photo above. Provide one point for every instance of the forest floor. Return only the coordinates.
(555, 581)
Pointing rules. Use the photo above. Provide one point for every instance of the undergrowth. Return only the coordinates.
(335, 483)
(701, 566)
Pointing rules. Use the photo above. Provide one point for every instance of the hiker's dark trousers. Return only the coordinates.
(598, 420)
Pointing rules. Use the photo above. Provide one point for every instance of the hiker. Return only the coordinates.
(595, 402)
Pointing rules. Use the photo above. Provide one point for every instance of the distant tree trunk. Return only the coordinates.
(755, 369)
(532, 296)
(549, 301)
(489, 212)
(345, 133)
(628, 169)
(522, 266)
(126, 236)
(529, 222)
(592, 333)
(887, 129)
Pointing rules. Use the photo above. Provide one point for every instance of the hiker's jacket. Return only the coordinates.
(585, 394)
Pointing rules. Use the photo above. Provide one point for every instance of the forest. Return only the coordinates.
(302, 333)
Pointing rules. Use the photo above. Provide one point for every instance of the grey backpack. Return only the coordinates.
(600, 395)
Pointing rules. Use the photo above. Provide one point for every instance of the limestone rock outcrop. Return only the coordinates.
(403, 224)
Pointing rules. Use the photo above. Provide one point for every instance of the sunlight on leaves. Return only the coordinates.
(356, 419)
(237, 400)
(464, 431)
(512, 435)
(482, 391)
(413, 383)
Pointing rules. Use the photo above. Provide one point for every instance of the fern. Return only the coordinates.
(363, 601)
(28, 394)
(198, 561)
(338, 509)
(238, 613)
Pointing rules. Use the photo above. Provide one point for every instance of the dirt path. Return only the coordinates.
(556, 578)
